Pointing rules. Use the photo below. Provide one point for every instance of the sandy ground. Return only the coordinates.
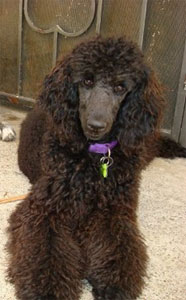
(162, 218)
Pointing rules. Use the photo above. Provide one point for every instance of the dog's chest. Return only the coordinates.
(86, 191)
(81, 190)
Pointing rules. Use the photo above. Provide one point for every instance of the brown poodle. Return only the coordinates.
(95, 127)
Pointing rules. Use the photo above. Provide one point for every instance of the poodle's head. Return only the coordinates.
(103, 91)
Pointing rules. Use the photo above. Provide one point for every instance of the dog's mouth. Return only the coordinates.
(102, 137)
(95, 135)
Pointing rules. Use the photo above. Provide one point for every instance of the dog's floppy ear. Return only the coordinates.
(141, 112)
(59, 94)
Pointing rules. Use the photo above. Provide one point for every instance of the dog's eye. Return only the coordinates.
(119, 88)
(88, 82)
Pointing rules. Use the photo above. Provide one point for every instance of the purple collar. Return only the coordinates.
(102, 148)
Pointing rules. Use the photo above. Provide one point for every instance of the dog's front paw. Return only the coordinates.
(7, 133)
(109, 293)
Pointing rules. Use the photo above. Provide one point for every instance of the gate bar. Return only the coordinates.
(20, 32)
(142, 23)
(99, 16)
(180, 101)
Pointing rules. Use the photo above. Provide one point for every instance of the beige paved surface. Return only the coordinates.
(162, 218)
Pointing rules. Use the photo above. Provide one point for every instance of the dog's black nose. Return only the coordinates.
(96, 125)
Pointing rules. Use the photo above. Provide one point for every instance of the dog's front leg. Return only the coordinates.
(117, 258)
(44, 261)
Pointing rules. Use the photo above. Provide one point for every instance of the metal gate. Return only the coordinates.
(35, 33)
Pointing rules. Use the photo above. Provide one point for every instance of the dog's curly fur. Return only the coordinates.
(75, 224)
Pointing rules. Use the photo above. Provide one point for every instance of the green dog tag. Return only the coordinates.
(104, 170)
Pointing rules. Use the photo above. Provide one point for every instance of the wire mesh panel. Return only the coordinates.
(50, 29)
(9, 26)
(36, 60)
(69, 17)
(35, 33)
(164, 40)
(121, 17)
